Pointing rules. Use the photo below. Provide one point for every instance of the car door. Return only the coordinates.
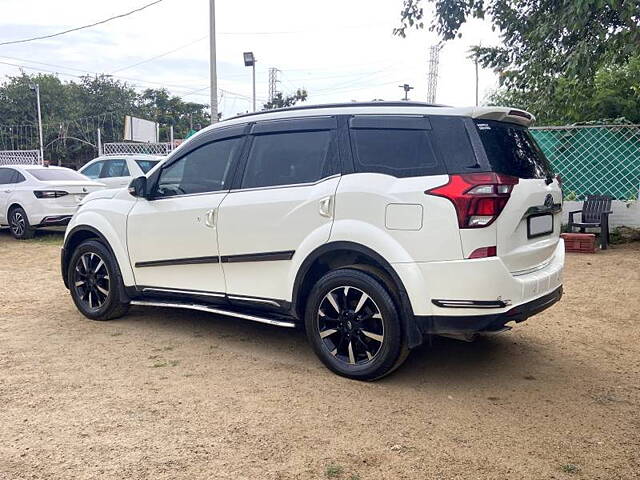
(6, 188)
(115, 173)
(281, 205)
(171, 236)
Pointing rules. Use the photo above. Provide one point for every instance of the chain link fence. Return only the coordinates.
(122, 148)
(594, 159)
(20, 157)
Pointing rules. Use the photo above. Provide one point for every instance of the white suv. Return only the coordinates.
(118, 171)
(373, 225)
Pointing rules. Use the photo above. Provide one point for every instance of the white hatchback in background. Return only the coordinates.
(33, 196)
(118, 171)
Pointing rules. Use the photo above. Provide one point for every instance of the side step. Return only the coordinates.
(219, 311)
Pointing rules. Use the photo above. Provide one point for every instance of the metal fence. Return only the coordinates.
(601, 159)
(123, 148)
(20, 157)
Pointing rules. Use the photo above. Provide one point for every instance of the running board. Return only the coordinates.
(219, 311)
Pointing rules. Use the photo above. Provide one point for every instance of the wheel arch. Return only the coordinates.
(75, 237)
(341, 254)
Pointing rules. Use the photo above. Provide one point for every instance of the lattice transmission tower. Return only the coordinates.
(432, 76)
(273, 83)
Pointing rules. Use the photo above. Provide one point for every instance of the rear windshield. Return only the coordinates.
(511, 150)
(146, 165)
(54, 174)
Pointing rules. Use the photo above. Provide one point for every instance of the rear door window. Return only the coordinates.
(288, 158)
(399, 146)
(511, 150)
(115, 168)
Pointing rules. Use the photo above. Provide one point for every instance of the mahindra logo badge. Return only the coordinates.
(84, 189)
(548, 202)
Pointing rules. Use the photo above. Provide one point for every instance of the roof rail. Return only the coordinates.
(338, 105)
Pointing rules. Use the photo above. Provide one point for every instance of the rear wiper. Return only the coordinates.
(548, 179)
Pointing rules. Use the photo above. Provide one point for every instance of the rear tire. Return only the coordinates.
(354, 326)
(95, 283)
(19, 224)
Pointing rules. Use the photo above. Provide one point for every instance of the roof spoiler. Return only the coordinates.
(504, 114)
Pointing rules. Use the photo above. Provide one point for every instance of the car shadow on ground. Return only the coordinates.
(437, 361)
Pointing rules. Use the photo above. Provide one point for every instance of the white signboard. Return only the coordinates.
(140, 130)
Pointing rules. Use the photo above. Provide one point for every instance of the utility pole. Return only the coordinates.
(476, 62)
(35, 87)
(406, 87)
(212, 61)
(273, 83)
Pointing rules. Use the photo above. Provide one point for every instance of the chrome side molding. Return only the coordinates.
(216, 310)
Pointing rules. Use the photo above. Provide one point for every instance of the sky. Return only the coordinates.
(339, 50)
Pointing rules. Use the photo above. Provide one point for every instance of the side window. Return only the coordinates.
(396, 152)
(17, 177)
(6, 176)
(205, 169)
(115, 168)
(291, 157)
(93, 171)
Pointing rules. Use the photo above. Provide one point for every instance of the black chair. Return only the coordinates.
(594, 214)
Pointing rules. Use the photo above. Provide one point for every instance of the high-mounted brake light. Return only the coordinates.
(477, 197)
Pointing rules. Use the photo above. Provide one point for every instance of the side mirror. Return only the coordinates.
(138, 187)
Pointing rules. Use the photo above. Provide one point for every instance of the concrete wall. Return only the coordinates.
(624, 214)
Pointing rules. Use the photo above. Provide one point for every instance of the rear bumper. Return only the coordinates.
(55, 221)
(469, 324)
(478, 287)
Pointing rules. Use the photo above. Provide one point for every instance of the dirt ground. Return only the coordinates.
(167, 394)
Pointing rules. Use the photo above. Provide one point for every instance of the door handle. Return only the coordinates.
(210, 218)
(326, 206)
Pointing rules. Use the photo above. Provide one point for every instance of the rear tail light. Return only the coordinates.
(477, 197)
(49, 193)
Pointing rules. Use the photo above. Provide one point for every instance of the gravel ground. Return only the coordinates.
(166, 394)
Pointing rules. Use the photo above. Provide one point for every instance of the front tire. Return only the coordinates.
(94, 282)
(353, 325)
(19, 224)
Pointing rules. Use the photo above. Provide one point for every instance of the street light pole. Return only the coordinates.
(212, 61)
(254, 86)
(250, 61)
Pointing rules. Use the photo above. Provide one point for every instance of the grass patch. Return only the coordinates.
(47, 238)
(160, 364)
(570, 468)
(333, 471)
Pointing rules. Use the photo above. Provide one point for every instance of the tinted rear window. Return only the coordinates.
(511, 150)
(396, 152)
(54, 174)
(146, 165)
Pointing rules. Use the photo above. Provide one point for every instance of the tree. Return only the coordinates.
(280, 101)
(73, 111)
(612, 97)
(541, 39)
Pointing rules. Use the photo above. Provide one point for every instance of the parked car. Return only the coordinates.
(33, 196)
(118, 171)
(373, 225)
